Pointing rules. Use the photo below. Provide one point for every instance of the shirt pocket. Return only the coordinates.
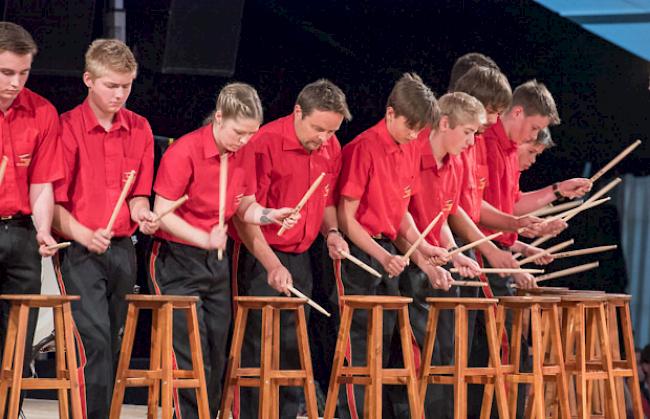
(128, 165)
(24, 144)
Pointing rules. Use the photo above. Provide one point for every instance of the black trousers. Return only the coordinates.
(102, 282)
(20, 273)
(252, 281)
(352, 280)
(178, 269)
(439, 402)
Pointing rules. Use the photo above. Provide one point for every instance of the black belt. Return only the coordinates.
(15, 218)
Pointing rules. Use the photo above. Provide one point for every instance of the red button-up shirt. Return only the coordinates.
(30, 139)
(475, 178)
(191, 166)
(382, 175)
(285, 171)
(439, 190)
(503, 170)
(98, 162)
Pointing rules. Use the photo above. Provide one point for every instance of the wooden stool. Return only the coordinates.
(269, 377)
(585, 325)
(541, 309)
(373, 375)
(618, 308)
(14, 351)
(459, 374)
(161, 374)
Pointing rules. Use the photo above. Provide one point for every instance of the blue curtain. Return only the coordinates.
(633, 202)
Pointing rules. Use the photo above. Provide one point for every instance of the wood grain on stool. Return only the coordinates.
(161, 377)
(373, 375)
(269, 377)
(14, 351)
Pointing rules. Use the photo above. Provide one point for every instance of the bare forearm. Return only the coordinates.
(41, 199)
(136, 204)
(66, 224)
(329, 220)
(356, 233)
(495, 219)
(532, 201)
(178, 227)
(253, 238)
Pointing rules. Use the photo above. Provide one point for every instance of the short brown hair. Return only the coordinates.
(109, 54)
(14, 38)
(544, 138)
(323, 95)
(488, 85)
(461, 108)
(239, 100)
(535, 99)
(466, 62)
(413, 100)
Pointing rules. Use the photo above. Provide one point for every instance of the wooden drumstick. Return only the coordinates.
(175, 205)
(304, 199)
(309, 300)
(223, 192)
(3, 168)
(569, 271)
(118, 205)
(602, 191)
(615, 160)
(580, 252)
(475, 243)
(505, 271)
(57, 246)
(417, 242)
(545, 252)
(587, 205)
(553, 209)
(359, 263)
(469, 284)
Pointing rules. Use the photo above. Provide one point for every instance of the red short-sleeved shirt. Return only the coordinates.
(30, 139)
(503, 169)
(382, 175)
(475, 178)
(439, 190)
(191, 166)
(97, 165)
(285, 171)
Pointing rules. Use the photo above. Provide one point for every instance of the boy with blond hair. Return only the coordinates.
(102, 143)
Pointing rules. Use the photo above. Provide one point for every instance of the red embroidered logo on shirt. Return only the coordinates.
(407, 192)
(238, 199)
(24, 160)
(448, 204)
(482, 182)
(326, 191)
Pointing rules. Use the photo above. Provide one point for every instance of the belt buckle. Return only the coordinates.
(6, 217)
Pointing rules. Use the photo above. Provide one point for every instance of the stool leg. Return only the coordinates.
(305, 363)
(198, 370)
(8, 357)
(460, 362)
(570, 355)
(628, 343)
(59, 342)
(275, 364)
(167, 385)
(538, 361)
(376, 364)
(71, 358)
(612, 331)
(342, 341)
(495, 362)
(233, 361)
(154, 364)
(415, 402)
(606, 355)
(561, 378)
(593, 403)
(265, 403)
(19, 354)
(427, 353)
(515, 357)
(581, 368)
(125, 360)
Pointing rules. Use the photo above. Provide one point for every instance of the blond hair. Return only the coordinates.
(239, 100)
(109, 55)
(461, 108)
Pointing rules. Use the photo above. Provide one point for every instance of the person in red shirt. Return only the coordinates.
(102, 142)
(379, 175)
(290, 154)
(184, 257)
(30, 126)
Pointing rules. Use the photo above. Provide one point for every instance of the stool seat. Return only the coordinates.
(386, 301)
(161, 377)
(469, 303)
(527, 300)
(618, 298)
(583, 298)
(282, 303)
(543, 290)
(14, 353)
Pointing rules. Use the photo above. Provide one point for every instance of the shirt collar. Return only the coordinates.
(290, 140)
(390, 145)
(428, 160)
(91, 123)
(210, 148)
(500, 133)
(22, 101)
